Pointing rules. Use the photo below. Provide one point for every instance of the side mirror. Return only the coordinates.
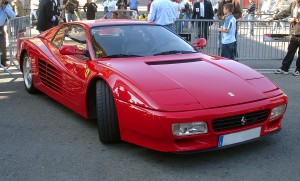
(70, 50)
(200, 43)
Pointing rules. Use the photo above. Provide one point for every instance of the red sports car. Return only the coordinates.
(147, 86)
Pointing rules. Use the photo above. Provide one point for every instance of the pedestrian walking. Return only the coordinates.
(228, 32)
(163, 12)
(5, 11)
(90, 8)
(293, 12)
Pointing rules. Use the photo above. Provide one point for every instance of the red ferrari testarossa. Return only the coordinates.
(147, 86)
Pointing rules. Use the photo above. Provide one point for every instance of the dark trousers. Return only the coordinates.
(292, 48)
(228, 50)
(203, 29)
(2, 45)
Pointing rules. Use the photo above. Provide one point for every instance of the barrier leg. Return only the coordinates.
(4, 68)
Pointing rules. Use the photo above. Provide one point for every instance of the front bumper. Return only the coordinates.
(153, 129)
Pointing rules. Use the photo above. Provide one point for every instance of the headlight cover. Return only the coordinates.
(184, 129)
(277, 111)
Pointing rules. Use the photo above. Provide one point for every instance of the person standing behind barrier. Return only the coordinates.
(122, 4)
(293, 10)
(77, 11)
(46, 16)
(70, 10)
(276, 9)
(5, 11)
(90, 9)
(111, 6)
(56, 10)
(237, 13)
(105, 10)
(265, 9)
(34, 5)
(186, 12)
(18, 8)
(250, 12)
(228, 32)
(133, 5)
(203, 10)
(163, 12)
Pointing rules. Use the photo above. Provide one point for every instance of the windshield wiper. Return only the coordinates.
(120, 56)
(174, 52)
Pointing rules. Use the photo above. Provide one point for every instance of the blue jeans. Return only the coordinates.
(71, 17)
(251, 24)
(179, 26)
(170, 27)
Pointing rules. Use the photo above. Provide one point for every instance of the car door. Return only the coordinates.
(74, 69)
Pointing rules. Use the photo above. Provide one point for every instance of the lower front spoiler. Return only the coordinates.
(228, 146)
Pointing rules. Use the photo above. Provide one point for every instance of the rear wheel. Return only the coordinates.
(27, 75)
(108, 126)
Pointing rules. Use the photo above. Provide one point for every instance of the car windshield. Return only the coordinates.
(136, 40)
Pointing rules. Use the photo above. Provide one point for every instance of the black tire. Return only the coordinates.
(27, 75)
(108, 126)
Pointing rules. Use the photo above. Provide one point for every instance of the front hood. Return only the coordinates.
(192, 79)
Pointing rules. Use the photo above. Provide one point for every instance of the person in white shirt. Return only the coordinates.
(163, 12)
(111, 6)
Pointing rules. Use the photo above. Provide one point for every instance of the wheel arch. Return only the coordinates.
(21, 58)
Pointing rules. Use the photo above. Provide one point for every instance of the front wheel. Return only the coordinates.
(27, 75)
(108, 126)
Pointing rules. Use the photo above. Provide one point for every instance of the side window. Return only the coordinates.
(76, 36)
(59, 35)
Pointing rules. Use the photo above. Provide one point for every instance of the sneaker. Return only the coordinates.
(296, 73)
(280, 71)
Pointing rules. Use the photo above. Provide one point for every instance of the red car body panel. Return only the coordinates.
(152, 93)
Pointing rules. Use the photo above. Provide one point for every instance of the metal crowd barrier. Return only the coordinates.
(265, 43)
(16, 28)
